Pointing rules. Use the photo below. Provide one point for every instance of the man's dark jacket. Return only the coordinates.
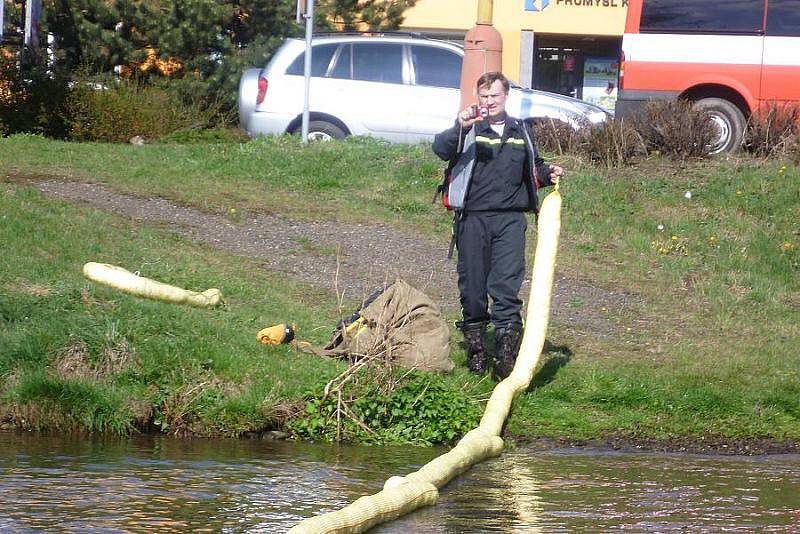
(502, 178)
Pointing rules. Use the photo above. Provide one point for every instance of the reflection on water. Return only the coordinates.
(69, 483)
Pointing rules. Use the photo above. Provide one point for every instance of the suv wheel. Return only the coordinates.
(729, 121)
(322, 131)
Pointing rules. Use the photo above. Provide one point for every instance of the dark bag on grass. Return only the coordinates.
(400, 325)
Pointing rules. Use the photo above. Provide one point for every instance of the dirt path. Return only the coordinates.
(353, 258)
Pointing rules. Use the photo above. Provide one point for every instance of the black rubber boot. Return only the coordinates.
(476, 351)
(506, 345)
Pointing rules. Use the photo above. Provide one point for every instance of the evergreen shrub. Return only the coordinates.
(32, 100)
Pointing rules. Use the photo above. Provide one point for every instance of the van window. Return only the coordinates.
(436, 67)
(783, 18)
(320, 59)
(378, 62)
(703, 16)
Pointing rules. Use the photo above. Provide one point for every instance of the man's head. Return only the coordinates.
(492, 93)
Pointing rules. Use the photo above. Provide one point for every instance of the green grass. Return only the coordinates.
(47, 307)
(706, 345)
(358, 180)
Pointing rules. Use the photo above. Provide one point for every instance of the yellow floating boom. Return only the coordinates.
(133, 284)
(401, 495)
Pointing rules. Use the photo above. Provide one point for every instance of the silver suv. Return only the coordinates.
(401, 88)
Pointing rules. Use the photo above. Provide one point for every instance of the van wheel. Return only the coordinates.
(322, 131)
(729, 122)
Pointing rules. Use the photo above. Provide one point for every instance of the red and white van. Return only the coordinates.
(728, 56)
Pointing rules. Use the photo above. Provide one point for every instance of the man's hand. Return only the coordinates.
(466, 118)
(556, 172)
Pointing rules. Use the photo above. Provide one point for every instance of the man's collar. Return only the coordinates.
(483, 126)
(512, 123)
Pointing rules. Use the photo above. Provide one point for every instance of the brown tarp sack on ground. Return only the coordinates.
(402, 324)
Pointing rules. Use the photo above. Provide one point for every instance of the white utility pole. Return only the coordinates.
(309, 15)
(27, 36)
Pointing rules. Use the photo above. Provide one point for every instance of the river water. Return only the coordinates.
(155, 483)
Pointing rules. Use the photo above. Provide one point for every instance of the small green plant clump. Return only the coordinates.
(422, 410)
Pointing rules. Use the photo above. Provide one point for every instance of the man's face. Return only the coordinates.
(493, 97)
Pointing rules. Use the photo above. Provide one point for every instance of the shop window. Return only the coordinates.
(581, 67)
(696, 16)
(436, 67)
(558, 70)
(783, 18)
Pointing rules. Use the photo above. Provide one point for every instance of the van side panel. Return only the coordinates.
(780, 79)
(674, 79)
(674, 63)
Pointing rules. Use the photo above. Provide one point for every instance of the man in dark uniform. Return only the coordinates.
(490, 228)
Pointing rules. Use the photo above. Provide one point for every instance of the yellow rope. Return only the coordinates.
(401, 495)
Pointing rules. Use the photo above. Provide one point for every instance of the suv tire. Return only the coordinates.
(730, 121)
(322, 131)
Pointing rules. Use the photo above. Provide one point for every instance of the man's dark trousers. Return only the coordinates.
(491, 261)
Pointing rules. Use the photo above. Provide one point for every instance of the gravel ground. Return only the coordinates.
(355, 259)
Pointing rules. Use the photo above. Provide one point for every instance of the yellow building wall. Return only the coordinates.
(455, 15)
(566, 17)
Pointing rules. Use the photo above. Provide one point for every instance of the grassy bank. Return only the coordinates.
(704, 344)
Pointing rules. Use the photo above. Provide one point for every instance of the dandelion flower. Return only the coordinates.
(660, 227)
(688, 194)
(674, 238)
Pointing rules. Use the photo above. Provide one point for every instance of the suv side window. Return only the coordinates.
(436, 67)
(374, 62)
(703, 16)
(344, 65)
(320, 60)
(783, 18)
